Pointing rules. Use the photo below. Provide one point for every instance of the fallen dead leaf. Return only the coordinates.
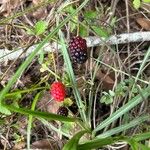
(41, 12)
(106, 79)
(46, 104)
(144, 23)
(47, 144)
(103, 76)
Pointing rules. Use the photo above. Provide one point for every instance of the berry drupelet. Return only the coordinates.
(63, 111)
(78, 50)
(58, 91)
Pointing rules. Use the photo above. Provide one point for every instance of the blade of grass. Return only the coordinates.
(93, 75)
(98, 143)
(142, 136)
(73, 142)
(93, 144)
(123, 127)
(143, 147)
(29, 126)
(146, 57)
(33, 54)
(45, 115)
(72, 79)
(128, 106)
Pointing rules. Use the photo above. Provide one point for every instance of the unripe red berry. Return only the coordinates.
(57, 91)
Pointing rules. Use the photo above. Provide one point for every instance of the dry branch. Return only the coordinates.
(92, 41)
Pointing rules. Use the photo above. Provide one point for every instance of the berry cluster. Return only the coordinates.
(78, 50)
(78, 53)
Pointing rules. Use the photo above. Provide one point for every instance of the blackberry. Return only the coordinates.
(73, 108)
(78, 50)
(63, 111)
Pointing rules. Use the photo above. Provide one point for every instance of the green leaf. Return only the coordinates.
(142, 136)
(133, 144)
(48, 116)
(83, 32)
(67, 127)
(100, 31)
(73, 142)
(107, 98)
(143, 147)
(137, 146)
(31, 119)
(40, 27)
(69, 9)
(90, 14)
(103, 99)
(4, 110)
(136, 4)
(111, 93)
(17, 95)
(98, 143)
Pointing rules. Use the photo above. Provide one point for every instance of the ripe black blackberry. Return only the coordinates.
(63, 111)
(78, 50)
(73, 108)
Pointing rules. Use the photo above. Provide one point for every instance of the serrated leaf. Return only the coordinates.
(136, 4)
(73, 142)
(40, 27)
